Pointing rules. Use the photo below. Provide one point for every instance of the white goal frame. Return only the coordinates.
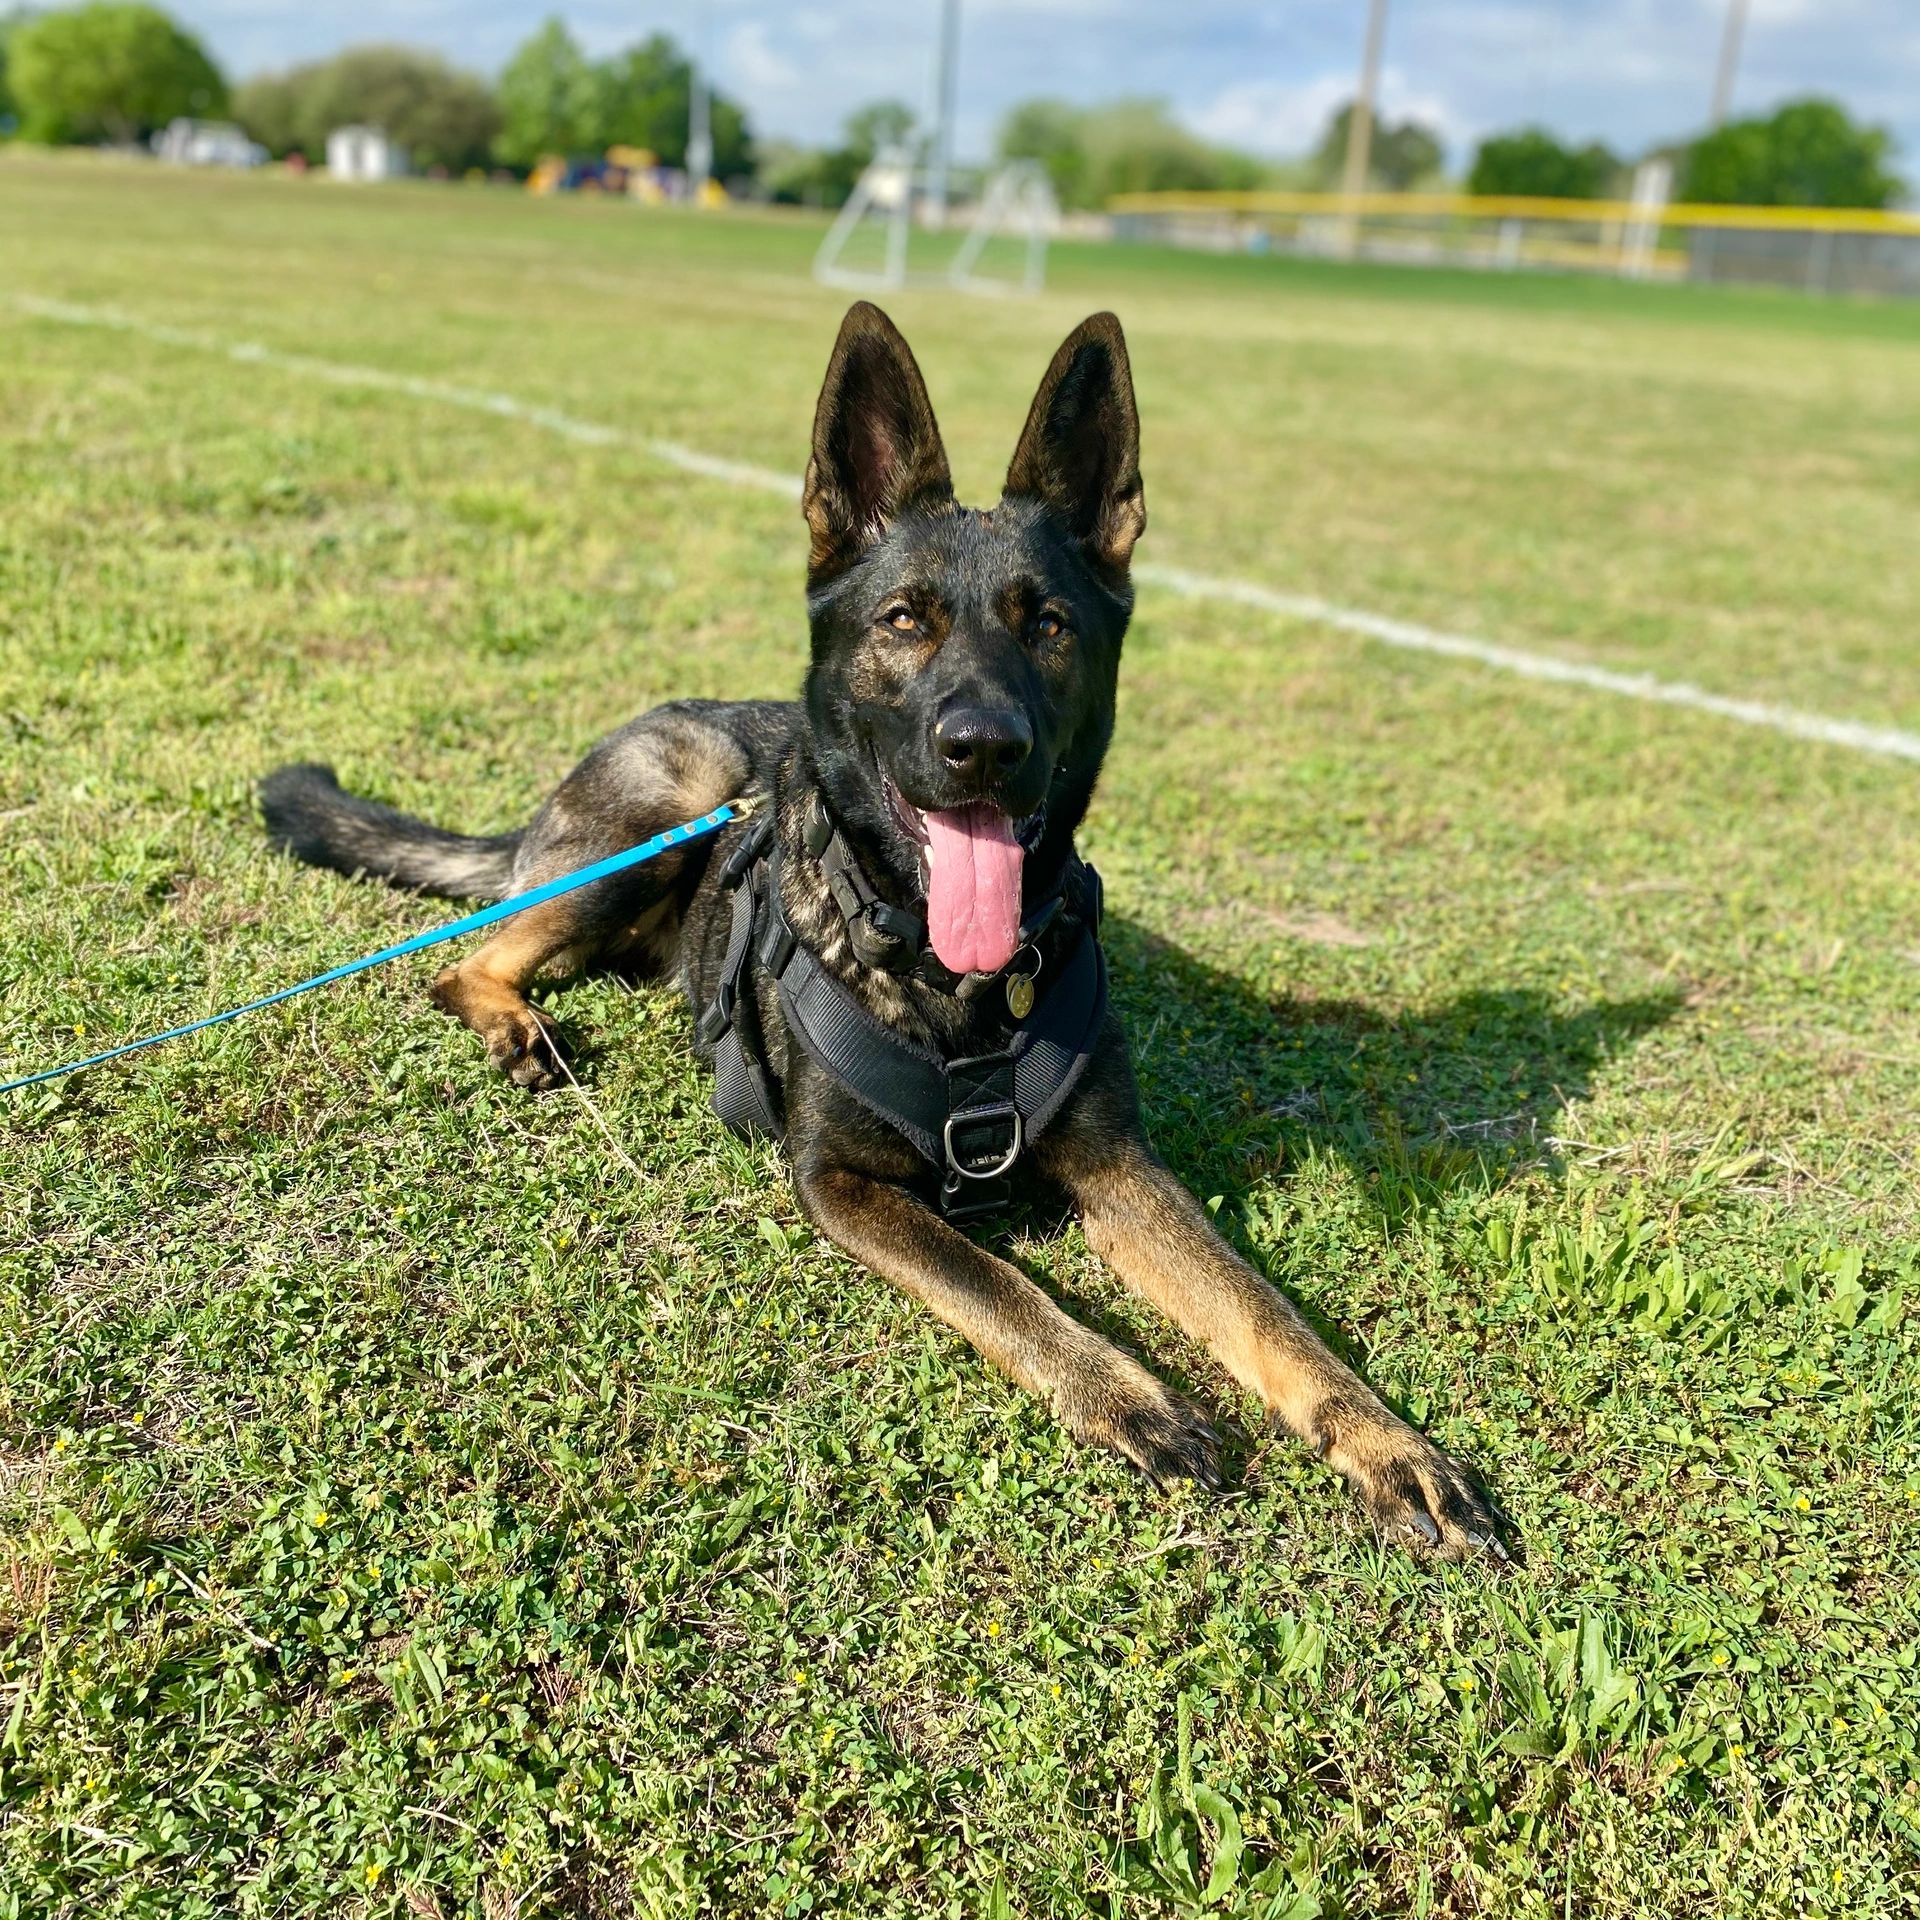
(1018, 201)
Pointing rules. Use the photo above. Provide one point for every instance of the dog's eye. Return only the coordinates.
(1049, 627)
(901, 620)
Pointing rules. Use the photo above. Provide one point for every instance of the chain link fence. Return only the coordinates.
(1815, 250)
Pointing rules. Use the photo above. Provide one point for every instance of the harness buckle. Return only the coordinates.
(778, 943)
(973, 1157)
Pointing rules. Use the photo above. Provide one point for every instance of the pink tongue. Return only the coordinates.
(973, 889)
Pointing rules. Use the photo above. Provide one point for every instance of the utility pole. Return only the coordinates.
(1730, 39)
(1360, 127)
(700, 118)
(940, 161)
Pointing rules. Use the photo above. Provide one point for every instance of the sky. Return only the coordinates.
(1258, 76)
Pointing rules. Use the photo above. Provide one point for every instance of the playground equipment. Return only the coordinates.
(1017, 201)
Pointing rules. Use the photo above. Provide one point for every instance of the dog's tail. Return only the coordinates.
(311, 816)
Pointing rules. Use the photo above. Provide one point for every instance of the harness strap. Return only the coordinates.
(883, 935)
(894, 939)
(971, 1118)
(744, 1095)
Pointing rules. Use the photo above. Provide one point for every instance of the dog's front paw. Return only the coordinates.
(1416, 1495)
(525, 1046)
(1117, 1404)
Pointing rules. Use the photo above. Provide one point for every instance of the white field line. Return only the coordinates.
(342, 373)
(1854, 735)
(1537, 666)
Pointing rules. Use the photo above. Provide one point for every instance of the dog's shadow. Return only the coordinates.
(1235, 1083)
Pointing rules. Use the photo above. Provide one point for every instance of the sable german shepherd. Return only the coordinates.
(957, 709)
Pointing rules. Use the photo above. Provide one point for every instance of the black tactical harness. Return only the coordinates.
(969, 1118)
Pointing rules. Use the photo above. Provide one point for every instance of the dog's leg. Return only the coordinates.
(488, 990)
(1145, 1224)
(1094, 1389)
(670, 765)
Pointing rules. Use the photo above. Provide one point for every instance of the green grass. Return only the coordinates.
(406, 1508)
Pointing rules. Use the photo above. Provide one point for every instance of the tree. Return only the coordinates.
(271, 107)
(1532, 164)
(1402, 154)
(1049, 131)
(441, 116)
(9, 112)
(109, 68)
(1136, 146)
(646, 100)
(879, 124)
(1126, 146)
(1808, 154)
(553, 99)
(550, 100)
(826, 178)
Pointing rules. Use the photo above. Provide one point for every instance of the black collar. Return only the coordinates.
(894, 939)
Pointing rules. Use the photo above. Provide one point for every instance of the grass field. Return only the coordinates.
(416, 1500)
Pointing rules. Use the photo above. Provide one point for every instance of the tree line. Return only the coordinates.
(1807, 153)
(115, 70)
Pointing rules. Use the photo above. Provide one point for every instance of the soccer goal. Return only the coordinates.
(1017, 203)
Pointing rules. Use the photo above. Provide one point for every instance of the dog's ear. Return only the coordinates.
(1080, 451)
(876, 445)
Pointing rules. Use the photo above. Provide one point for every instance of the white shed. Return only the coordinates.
(364, 153)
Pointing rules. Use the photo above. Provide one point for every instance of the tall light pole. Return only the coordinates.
(940, 161)
(1730, 39)
(700, 116)
(1360, 126)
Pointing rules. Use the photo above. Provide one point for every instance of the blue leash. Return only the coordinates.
(469, 923)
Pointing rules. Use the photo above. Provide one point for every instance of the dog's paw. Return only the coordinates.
(525, 1046)
(1119, 1405)
(1416, 1495)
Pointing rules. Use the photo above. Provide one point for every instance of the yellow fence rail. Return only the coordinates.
(1482, 206)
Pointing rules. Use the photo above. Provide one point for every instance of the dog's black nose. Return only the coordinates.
(983, 744)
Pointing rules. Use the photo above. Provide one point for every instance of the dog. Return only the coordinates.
(894, 961)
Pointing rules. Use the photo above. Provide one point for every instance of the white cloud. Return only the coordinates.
(1783, 13)
(1287, 117)
(754, 65)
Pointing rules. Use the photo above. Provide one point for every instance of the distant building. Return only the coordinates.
(364, 153)
(207, 143)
